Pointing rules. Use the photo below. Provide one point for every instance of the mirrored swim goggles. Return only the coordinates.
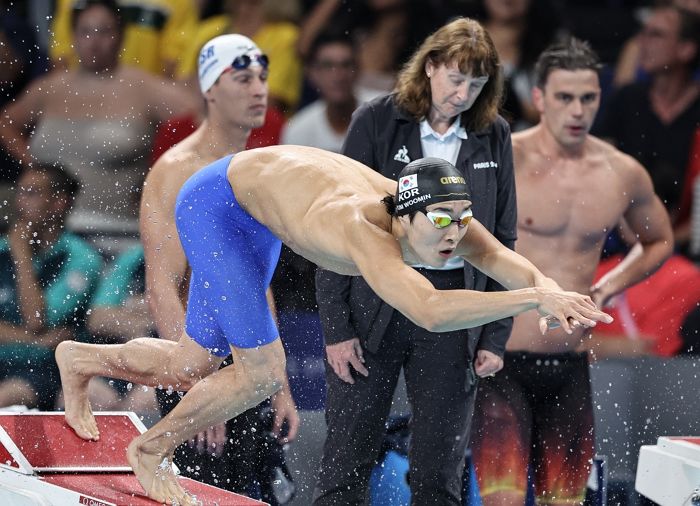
(444, 220)
(244, 61)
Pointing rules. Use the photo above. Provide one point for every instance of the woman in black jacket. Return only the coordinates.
(445, 104)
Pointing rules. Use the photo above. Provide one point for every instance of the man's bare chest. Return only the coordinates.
(585, 207)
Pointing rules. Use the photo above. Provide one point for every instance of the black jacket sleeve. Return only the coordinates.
(495, 334)
(333, 290)
(332, 294)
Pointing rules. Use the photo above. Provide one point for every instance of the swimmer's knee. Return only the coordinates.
(265, 366)
(184, 378)
(268, 377)
(187, 370)
(267, 384)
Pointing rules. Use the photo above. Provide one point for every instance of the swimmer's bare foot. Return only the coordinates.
(75, 392)
(155, 473)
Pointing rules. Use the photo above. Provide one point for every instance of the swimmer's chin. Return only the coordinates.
(437, 264)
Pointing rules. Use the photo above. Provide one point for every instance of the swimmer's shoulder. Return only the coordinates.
(366, 220)
(522, 139)
(174, 167)
(524, 146)
(617, 159)
(621, 163)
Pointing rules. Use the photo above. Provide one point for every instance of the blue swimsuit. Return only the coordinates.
(232, 257)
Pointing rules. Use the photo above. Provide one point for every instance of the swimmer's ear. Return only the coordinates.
(538, 98)
(208, 94)
(405, 220)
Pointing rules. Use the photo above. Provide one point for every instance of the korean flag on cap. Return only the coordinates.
(408, 182)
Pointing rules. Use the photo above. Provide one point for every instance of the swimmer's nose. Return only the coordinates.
(451, 233)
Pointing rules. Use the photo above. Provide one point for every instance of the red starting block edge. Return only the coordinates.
(44, 463)
(42, 442)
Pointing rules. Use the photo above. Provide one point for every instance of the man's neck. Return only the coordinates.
(104, 73)
(222, 140)
(339, 115)
(671, 93)
(407, 252)
(553, 149)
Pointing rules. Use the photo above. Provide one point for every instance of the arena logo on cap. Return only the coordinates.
(408, 182)
(452, 180)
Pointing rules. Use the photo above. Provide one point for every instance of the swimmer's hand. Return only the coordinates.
(568, 309)
(344, 354)
(551, 323)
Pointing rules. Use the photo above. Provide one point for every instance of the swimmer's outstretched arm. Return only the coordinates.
(444, 310)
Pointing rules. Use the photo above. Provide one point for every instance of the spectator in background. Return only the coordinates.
(155, 33)
(233, 83)
(627, 69)
(536, 416)
(118, 313)
(47, 276)
(521, 30)
(21, 61)
(385, 33)
(687, 227)
(658, 316)
(97, 119)
(332, 70)
(655, 120)
(446, 106)
(216, 20)
(382, 38)
(271, 24)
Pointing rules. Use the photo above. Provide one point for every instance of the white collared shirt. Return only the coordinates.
(445, 146)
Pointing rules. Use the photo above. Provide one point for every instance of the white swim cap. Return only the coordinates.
(221, 52)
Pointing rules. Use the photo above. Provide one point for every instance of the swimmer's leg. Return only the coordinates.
(256, 374)
(145, 361)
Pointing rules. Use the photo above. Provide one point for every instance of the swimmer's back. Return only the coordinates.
(305, 172)
(285, 186)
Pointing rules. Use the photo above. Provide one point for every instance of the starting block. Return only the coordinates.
(44, 463)
(668, 472)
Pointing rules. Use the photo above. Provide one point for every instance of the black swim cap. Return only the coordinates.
(427, 181)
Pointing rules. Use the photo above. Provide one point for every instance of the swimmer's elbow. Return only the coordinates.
(437, 313)
(425, 316)
(436, 323)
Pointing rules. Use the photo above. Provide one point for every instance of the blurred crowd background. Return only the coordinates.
(326, 57)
